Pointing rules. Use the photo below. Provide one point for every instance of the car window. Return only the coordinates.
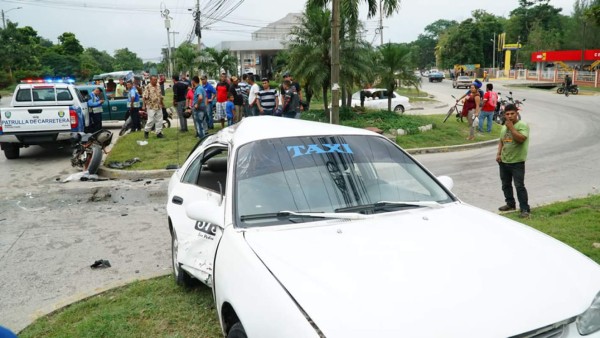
(23, 95)
(209, 169)
(356, 96)
(322, 174)
(63, 94)
(43, 94)
(80, 95)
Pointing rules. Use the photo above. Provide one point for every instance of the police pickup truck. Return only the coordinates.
(41, 112)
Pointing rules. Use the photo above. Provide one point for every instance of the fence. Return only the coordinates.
(579, 77)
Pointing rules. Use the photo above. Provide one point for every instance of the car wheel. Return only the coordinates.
(11, 151)
(237, 331)
(399, 109)
(181, 277)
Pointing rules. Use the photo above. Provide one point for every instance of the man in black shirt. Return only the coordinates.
(179, 95)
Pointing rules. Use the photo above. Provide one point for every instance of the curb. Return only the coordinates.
(447, 149)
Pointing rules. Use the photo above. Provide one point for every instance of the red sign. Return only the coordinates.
(565, 55)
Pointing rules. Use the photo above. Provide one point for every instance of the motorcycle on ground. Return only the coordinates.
(88, 149)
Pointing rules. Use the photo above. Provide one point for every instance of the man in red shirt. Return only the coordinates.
(222, 90)
(490, 98)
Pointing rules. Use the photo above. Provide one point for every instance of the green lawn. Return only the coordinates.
(158, 308)
(174, 148)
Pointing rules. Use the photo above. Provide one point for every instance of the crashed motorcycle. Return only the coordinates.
(88, 149)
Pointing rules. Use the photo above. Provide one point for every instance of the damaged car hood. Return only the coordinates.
(456, 271)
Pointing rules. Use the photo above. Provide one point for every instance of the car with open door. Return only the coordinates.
(306, 229)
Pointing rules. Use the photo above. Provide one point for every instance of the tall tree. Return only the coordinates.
(350, 11)
(523, 18)
(20, 50)
(69, 45)
(186, 56)
(462, 44)
(127, 60)
(105, 61)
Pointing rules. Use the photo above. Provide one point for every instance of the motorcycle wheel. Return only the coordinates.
(166, 123)
(92, 162)
(575, 91)
(560, 90)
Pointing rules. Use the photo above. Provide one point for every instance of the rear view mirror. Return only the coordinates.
(447, 182)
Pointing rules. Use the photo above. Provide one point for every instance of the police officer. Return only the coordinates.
(95, 110)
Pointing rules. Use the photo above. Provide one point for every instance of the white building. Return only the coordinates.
(256, 56)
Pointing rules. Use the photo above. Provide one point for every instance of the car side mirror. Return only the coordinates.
(206, 211)
(446, 181)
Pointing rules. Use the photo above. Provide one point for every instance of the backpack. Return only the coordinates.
(493, 100)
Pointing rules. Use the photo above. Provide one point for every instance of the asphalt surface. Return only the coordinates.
(51, 232)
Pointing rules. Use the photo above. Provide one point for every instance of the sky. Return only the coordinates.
(138, 25)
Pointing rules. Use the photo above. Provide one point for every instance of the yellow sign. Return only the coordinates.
(512, 46)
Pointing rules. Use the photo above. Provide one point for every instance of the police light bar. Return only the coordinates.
(50, 80)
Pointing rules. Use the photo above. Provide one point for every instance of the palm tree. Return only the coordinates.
(186, 56)
(395, 65)
(310, 49)
(213, 61)
(350, 10)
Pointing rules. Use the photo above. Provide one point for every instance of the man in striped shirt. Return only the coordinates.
(267, 99)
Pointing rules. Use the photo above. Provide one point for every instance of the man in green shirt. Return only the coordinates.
(511, 156)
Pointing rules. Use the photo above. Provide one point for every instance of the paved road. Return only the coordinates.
(564, 150)
(50, 232)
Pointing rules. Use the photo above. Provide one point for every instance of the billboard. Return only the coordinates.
(565, 55)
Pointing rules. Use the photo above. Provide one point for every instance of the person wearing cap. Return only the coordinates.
(222, 91)
(511, 157)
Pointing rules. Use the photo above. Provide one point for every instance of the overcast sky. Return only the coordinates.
(137, 24)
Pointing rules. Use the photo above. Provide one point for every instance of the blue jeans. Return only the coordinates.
(267, 111)
(199, 116)
(510, 172)
(209, 115)
(486, 115)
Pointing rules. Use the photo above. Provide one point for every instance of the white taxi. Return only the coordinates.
(306, 229)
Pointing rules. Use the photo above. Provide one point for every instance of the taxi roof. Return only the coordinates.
(268, 127)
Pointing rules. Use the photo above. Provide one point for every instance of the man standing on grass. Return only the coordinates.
(179, 97)
(511, 156)
(199, 106)
(267, 99)
(222, 92)
(253, 96)
(153, 104)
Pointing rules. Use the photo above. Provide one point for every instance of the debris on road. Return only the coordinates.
(124, 164)
(101, 263)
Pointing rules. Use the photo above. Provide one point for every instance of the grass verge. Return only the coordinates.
(158, 308)
(175, 147)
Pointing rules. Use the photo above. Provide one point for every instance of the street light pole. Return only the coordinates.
(165, 14)
(494, 53)
(3, 16)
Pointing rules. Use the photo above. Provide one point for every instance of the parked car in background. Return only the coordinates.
(308, 229)
(436, 76)
(462, 81)
(377, 98)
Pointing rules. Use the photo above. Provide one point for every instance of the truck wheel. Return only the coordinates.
(92, 163)
(11, 151)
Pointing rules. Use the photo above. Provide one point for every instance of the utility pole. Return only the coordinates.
(494, 53)
(174, 47)
(165, 14)
(335, 62)
(198, 30)
(380, 23)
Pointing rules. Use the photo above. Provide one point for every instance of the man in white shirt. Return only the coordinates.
(253, 95)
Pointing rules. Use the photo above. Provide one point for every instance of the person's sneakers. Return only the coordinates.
(524, 214)
(507, 208)
(160, 135)
(146, 135)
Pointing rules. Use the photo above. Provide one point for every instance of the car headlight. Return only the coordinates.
(589, 321)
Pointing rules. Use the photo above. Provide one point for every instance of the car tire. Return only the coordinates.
(399, 109)
(181, 276)
(11, 151)
(237, 331)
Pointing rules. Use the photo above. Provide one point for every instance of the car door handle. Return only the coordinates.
(177, 200)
